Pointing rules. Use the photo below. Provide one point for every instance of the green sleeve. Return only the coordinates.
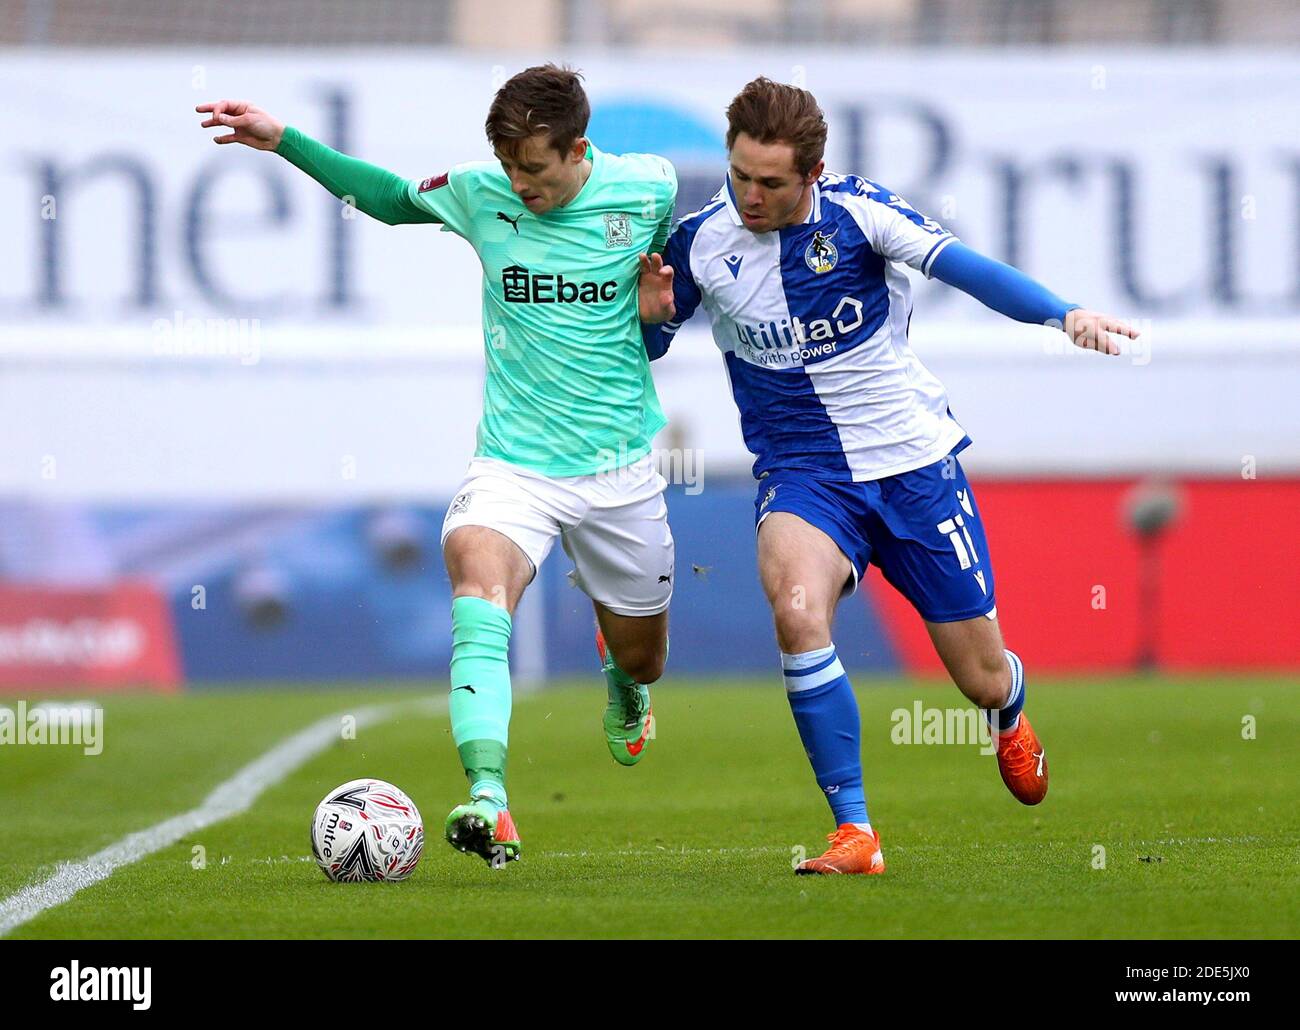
(448, 198)
(665, 227)
(377, 192)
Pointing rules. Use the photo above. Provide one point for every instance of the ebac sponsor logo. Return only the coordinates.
(520, 286)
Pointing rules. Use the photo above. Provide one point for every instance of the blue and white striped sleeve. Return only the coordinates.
(686, 292)
(897, 231)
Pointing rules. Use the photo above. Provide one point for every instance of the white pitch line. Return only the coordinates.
(230, 798)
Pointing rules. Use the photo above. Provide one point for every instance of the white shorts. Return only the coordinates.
(614, 525)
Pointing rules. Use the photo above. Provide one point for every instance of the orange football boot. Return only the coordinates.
(1022, 761)
(851, 851)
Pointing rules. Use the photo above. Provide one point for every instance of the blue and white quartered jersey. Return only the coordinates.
(812, 323)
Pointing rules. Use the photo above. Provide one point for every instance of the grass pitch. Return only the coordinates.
(1200, 827)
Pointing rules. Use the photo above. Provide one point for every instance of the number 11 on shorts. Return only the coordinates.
(966, 554)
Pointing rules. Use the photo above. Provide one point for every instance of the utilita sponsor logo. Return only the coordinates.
(103, 983)
(795, 341)
(78, 642)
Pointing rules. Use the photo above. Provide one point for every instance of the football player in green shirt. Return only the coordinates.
(569, 407)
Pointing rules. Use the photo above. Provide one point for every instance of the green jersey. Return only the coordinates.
(568, 389)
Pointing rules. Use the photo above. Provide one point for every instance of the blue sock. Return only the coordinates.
(826, 713)
(1009, 715)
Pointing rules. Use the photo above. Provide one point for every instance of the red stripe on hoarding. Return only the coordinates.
(1068, 578)
(101, 638)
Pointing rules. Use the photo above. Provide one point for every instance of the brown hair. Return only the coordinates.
(773, 112)
(543, 99)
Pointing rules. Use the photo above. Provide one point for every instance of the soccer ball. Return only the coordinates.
(367, 830)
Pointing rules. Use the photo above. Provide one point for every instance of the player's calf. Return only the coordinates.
(628, 720)
(644, 665)
(989, 686)
(972, 651)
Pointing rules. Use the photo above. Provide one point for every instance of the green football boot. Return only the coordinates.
(483, 829)
(629, 718)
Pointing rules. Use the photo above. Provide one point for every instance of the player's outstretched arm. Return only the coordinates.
(1010, 292)
(376, 191)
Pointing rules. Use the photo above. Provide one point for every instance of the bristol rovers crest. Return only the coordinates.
(821, 255)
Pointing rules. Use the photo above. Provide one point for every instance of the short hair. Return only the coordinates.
(773, 112)
(543, 99)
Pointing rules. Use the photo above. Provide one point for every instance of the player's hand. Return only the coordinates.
(1091, 330)
(655, 290)
(251, 126)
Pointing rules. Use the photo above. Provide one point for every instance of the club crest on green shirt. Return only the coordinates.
(618, 229)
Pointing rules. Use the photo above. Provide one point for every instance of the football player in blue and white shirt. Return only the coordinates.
(855, 446)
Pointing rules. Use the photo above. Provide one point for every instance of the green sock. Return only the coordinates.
(480, 693)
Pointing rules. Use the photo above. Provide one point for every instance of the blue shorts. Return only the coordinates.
(920, 528)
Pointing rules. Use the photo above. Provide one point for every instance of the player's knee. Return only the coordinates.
(483, 563)
(800, 629)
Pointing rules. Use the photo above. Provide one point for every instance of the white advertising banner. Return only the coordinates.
(1163, 189)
